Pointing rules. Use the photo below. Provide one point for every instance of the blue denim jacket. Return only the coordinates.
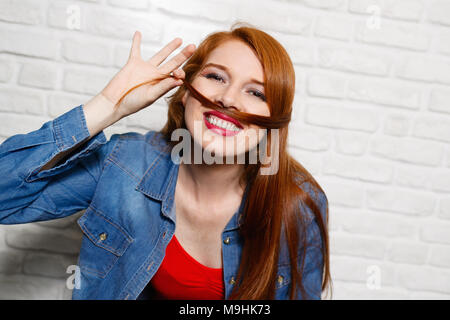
(127, 187)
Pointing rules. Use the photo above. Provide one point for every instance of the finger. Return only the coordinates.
(163, 87)
(178, 60)
(162, 54)
(136, 45)
(179, 73)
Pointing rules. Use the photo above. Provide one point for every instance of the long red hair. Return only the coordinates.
(276, 202)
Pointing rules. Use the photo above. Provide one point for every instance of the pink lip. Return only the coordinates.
(220, 130)
(224, 117)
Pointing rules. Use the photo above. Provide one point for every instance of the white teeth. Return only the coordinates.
(222, 123)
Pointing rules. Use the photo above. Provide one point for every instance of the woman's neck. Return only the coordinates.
(211, 183)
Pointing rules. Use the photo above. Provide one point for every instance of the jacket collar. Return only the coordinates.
(159, 183)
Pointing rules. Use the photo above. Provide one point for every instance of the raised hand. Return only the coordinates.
(137, 71)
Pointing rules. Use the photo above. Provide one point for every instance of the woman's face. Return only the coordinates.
(233, 77)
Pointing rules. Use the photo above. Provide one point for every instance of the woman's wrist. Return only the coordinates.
(100, 113)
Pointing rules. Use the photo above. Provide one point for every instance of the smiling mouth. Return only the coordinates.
(221, 124)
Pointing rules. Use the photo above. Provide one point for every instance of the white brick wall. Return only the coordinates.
(371, 122)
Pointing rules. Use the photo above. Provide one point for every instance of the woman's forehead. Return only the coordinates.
(237, 58)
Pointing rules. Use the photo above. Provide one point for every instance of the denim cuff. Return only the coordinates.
(69, 129)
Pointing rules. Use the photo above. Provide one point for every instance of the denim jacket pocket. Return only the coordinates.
(104, 241)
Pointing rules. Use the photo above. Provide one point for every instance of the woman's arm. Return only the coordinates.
(52, 172)
(28, 193)
(99, 114)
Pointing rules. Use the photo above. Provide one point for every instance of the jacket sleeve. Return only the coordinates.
(27, 195)
(314, 261)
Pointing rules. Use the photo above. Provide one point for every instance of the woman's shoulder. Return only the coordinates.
(152, 139)
(157, 140)
(136, 151)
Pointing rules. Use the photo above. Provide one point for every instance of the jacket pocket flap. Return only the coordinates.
(103, 232)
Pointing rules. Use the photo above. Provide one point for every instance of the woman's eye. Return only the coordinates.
(215, 76)
(259, 95)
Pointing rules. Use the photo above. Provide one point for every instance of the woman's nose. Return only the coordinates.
(228, 98)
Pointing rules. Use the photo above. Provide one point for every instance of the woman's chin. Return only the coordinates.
(223, 156)
(217, 152)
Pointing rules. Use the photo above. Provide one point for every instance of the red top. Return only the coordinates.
(180, 276)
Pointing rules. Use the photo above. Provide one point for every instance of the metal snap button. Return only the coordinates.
(103, 236)
(232, 281)
(280, 280)
(226, 240)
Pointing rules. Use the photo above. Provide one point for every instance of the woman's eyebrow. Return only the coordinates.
(226, 69)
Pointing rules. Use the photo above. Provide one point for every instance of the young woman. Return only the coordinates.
(155, 228)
